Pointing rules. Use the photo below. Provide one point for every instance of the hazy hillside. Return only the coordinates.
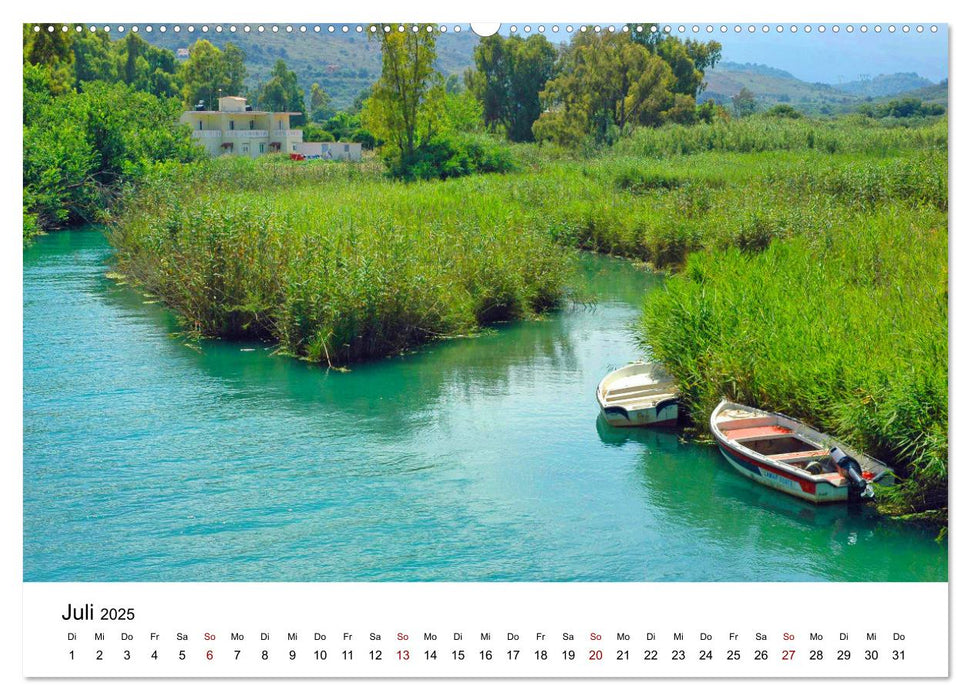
(936, 94)
(773, 86)
(344, 64)
(885, 85)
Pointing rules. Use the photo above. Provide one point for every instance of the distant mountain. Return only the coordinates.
(774, 86)
(343, 64)
(756, 68)
(935, 94)
(885, 85)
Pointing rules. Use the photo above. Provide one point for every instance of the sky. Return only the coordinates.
(824, 57)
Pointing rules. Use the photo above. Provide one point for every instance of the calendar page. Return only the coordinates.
(438, 349)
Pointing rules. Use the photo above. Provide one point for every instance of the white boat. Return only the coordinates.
(639, 394)
(784, 454)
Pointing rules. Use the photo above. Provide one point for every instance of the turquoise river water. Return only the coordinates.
(146, 459)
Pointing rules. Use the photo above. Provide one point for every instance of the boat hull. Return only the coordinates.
(767, 475)
(775, 450)
(639, 395)
(664, 415)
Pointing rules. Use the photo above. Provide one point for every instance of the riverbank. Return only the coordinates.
(842, 322)
(475, 460)
(813, 261)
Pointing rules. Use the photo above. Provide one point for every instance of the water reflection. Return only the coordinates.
(701, 494)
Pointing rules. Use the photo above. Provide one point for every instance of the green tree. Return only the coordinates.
(647, 34)
(708, 111)
(319, 104)
(705, 54)
(146, 67)
(683, 111)
(396, 112)
(451, 111)
(687, 77)
(81, 149)
(210, 73)
(234, 67)
(744, 104)
(489, 80)
(203, 75)
(94, 58)
(315, 132)
(606, 84)
(785, 111)
(360, 99)
(509, 75)
(342, 125)
(52, 51)
(282, 92)
(689, 59)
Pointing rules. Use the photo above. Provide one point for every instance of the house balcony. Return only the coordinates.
(206, 133)
(246, 133)
(288, 134)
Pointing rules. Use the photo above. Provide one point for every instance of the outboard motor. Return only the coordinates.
(850, 470)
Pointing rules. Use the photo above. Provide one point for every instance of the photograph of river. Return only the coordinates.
(277, 327)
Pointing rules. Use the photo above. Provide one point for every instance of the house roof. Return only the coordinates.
(216, 111)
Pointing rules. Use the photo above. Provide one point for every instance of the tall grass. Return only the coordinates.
(760, 134)
(845, 328)
(332, 264)
(816, 282)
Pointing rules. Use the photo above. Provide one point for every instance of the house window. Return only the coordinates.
(252, 124)
(279, 123)
(347, 148)
(245, 148)
(262, 147)
(200, 125)
(232, 125)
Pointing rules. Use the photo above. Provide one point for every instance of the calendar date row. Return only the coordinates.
(485, 655)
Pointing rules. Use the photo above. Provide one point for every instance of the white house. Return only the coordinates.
(236, 128)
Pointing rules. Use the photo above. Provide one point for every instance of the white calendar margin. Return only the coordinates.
(505, 10)
(388, 627)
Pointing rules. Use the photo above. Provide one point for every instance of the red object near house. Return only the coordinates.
(297, 156)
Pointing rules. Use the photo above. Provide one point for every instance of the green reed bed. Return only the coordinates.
(758, 134)
(814, 283)
(661, 210)
(845, 328)
(333, 264)
(336, 262)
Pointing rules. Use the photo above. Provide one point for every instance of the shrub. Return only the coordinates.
(784, 111)
(315, 132)
(81, 150)
(445, 157)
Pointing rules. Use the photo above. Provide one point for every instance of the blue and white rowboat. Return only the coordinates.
(780, 452)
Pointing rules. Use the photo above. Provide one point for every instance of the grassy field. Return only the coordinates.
(810, 261)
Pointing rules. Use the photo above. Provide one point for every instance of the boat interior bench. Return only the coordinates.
(833, 478)
(800, 456)
(757, 432)
(637, 393)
